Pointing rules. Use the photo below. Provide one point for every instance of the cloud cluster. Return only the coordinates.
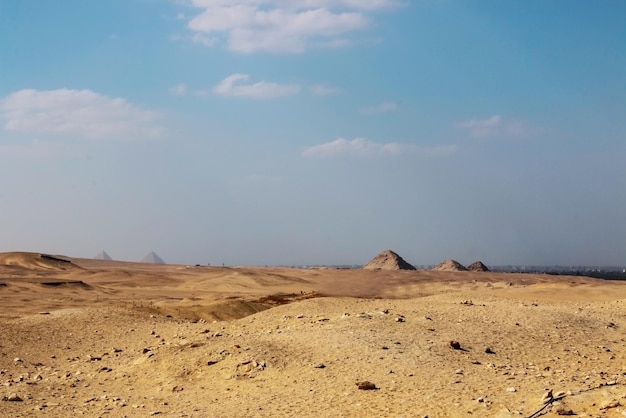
(80, 113)
(366, 147)
(282, 26)
(497, 127)
(323, 90)
(232, 86)
(238, 85)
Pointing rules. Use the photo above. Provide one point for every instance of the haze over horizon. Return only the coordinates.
(273, 132)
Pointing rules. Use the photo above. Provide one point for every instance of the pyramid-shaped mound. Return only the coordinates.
(153, 258)
(102, 255)
(478, 266)
(388, 260)
(450, 265)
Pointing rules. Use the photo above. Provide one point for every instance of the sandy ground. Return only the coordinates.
(101, 338)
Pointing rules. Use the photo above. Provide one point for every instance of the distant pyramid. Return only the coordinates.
(450, 265)
(153, 258)
(102, 255)
(477, 266)
(388, 260)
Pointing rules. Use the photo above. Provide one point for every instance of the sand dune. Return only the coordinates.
(131, 339)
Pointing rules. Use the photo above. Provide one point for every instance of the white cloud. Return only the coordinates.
(380, 108)
(365, 147)
(179, 89)
(232, 86)
(284, 26)
(497, 127)
(82, 113)
(323, 90)
(203, 40)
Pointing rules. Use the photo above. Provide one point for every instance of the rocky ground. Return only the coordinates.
(129, 340)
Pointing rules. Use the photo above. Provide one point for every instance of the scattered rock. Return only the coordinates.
(320, 366)
(488, 350)
(13, 397)
(511, 389)
(563, 410)
(610, 404)
(547, 397)
(366, 385)
(455, 345)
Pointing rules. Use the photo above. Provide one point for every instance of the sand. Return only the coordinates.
(105, 338)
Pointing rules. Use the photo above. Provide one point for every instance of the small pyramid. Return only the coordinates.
(388, 260)
(102, 255)
(450, 265)
(477, 266)
(153, 258)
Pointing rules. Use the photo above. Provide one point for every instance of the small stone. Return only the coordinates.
(400, 319)
(455, 345)
(18, 360)
(563, 410)
(489, 351)
(320, 366)
(13, 397)
(511, 389)
(458, 371)
(610, 404)
(547, 397)
(365, 385)
(480, 400)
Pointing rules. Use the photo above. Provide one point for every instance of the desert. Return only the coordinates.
(87, 337)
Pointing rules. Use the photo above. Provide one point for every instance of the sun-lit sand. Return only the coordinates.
(107, 338)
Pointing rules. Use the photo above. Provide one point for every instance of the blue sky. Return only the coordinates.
(315, 131)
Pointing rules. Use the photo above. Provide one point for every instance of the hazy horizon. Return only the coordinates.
(266, 132)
